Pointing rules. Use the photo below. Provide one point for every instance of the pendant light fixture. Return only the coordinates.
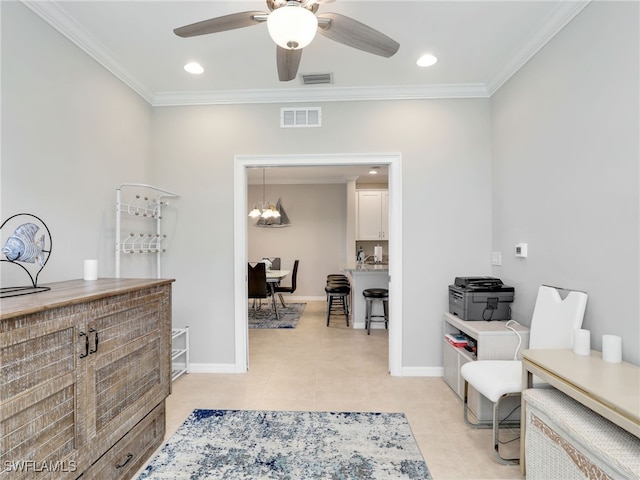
(266, 209)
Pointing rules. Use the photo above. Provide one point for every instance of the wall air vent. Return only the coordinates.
(316, 78)
(300, 117)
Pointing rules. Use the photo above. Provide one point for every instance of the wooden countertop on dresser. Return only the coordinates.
(72, 292)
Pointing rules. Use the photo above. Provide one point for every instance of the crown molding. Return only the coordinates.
(555, 21)
(552, 24)
(319, 94)
(56, 17)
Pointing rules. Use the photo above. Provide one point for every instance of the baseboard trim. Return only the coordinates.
(213, 368)
(362, 325)
(423, 371)
(230, 368)
(294, 299)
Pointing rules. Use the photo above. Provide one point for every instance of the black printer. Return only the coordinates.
(480, 298)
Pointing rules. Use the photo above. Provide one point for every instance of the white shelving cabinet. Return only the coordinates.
(493, 342)
(179, 352)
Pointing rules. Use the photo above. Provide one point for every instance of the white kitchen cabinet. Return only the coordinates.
(372, 215)
(493, 341)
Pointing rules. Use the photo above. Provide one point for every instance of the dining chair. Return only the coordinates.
(280, 289)
(257, 283)
(275, 262)
(552, 325)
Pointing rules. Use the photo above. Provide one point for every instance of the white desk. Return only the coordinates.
(609, 389)
(494, 341)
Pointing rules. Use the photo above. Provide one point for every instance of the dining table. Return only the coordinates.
(274, 277)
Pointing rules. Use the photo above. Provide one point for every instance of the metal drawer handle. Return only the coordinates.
(95, 340)
(129, 457)
(86, 344)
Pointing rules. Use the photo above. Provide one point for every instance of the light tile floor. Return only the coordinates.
(335, 368)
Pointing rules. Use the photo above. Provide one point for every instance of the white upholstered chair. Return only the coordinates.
(552, 325)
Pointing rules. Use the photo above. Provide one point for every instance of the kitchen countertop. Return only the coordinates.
(362, 277)
(366, 268)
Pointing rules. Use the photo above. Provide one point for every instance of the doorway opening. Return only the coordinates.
(393, 161)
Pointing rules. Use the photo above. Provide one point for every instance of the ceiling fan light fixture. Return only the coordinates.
(427, 60)
(292, 26)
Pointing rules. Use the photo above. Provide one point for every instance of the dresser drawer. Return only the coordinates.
(126, 457)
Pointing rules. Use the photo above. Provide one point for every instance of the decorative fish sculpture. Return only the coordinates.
(22, 246)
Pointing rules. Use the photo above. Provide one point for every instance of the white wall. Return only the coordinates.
(446, 199)
(65, 115)
(564, 134)
(71, 133)
(565, 171)
(565, 175)
(315, 237)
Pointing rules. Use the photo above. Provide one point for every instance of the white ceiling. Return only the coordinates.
(480, 44)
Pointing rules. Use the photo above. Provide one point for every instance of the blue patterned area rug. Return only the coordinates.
(249, 444)
(265, 318)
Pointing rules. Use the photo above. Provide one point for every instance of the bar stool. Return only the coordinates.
(371, 294)
(338, 290)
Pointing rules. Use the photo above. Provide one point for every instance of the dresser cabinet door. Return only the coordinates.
(40, 390)
(129, 369)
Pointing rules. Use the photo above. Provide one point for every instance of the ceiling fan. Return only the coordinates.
(292, 24)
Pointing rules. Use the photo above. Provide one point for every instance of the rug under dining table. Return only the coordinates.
(265, 317)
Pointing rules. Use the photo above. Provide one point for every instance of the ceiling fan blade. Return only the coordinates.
(288, 62)
(221, 24)
(348, 31)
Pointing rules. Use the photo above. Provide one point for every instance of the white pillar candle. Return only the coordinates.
(611, 348)
(91, 269)
(582, 342)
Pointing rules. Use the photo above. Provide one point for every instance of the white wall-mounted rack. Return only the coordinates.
(139, 200)
(179, 352)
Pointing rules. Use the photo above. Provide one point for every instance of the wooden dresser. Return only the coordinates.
(84, 372)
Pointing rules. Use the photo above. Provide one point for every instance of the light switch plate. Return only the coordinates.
(496, 258)
(521, 250)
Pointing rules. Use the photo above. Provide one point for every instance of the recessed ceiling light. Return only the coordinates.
(373, 171)
(427, 60)
(194, 68)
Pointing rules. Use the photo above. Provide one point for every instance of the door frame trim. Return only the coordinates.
(394, 163)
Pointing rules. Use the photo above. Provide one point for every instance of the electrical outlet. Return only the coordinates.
(496, 258)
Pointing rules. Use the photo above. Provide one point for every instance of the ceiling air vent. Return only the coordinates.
(300, 117)
(316, 78)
